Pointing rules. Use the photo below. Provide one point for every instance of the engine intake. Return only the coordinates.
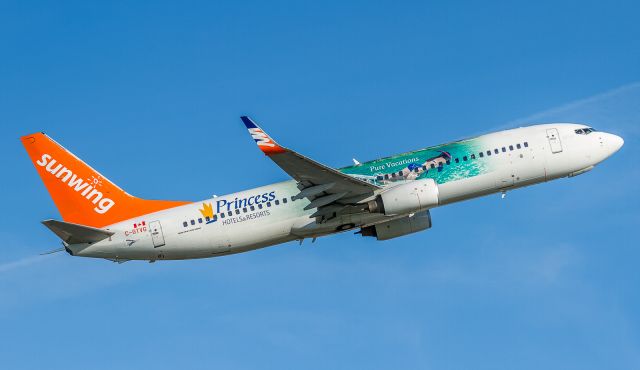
(406, 198)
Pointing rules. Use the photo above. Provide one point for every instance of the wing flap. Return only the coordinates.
(325, 200)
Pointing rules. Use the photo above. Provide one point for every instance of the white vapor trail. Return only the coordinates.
(575, 105)
(24, 262)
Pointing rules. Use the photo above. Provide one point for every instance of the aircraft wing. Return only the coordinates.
(327, 188)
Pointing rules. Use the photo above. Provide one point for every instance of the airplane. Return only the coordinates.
(383, 199)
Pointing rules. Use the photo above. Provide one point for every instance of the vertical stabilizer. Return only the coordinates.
(81, 194)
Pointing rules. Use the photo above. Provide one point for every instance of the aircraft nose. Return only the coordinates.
(610, 143)
(616, 142)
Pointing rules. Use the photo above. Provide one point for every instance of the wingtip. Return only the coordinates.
(248, 122)
(262, 139)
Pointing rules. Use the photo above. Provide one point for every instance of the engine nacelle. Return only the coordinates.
(399, 227)
(411, 197)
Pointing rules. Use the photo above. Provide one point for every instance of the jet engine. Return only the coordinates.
(414, 196)
(399, 227)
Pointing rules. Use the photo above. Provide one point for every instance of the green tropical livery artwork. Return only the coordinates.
(432, 162)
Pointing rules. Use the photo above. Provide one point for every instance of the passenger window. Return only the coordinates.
(230, 213)
(208, 218)
(518, 146)
(252, 208)
(237, 211)
(448, 161)
(284, 200)
(244, 210)
(424, 168)
(193, 222)
(292, 199)
(473, 156)
(277, 202)
(215, 218)
(481, 154)
(457, 160)
(504, 149)
(496, 151)
(380, 178)
(526, 145)
(400, 173)
(488, 152)
(393, 175)
(222, 215)
(199, 220)
(464, 158)
(386, 176)
(433, 165)
(510, 147)
(184, 224)
(268, 204)
(260, 206)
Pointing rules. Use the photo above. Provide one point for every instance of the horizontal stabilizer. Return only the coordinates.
(76, 234)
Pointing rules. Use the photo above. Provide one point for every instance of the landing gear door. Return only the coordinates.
(156, 234)
(554, 140)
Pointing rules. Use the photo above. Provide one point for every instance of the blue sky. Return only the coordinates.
(150, 94)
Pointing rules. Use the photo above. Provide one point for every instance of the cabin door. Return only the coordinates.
(554, 140)
(156, 234)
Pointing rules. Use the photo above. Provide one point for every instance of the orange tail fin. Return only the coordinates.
(82, 194)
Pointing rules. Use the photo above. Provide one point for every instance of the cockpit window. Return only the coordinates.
(585, 131)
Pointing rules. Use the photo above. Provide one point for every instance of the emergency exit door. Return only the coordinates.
(156, 234)
(554, 140)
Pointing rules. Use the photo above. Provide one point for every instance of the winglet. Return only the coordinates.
(264, 141)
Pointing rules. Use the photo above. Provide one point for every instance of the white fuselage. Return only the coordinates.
(267, 215)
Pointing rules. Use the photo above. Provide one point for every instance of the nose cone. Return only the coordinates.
(608, 145)
(616, 142)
